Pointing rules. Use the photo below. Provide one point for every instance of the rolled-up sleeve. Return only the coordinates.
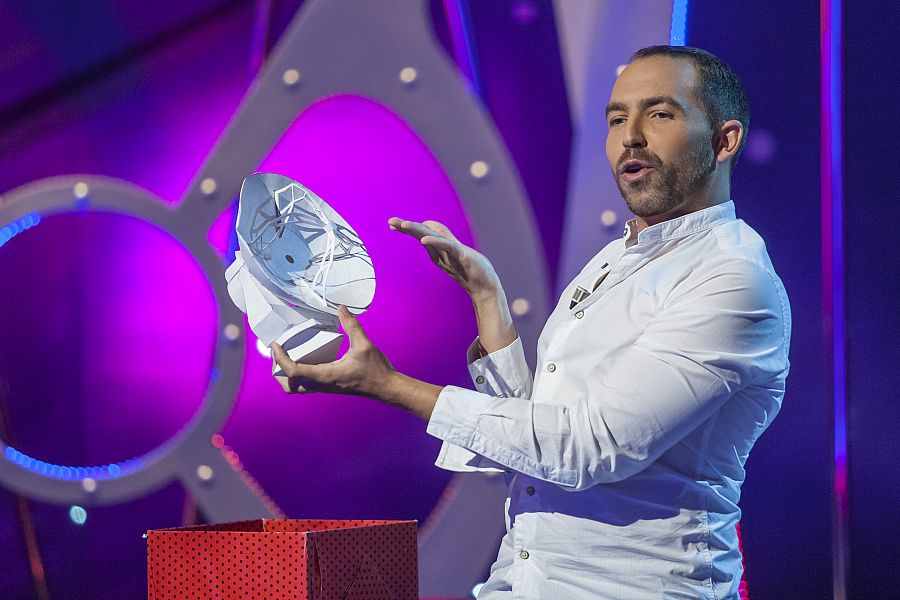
(503, 373)
(723, 331)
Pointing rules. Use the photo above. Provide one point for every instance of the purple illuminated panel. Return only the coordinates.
(327, 455)
(117, 323)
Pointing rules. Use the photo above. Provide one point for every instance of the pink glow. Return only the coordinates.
(367, 164)
(119, 322)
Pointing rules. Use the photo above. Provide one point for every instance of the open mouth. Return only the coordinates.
(632, 170)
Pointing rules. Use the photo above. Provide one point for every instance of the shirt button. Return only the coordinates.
(551, 367)
(523, 554)
(530, 490)
(579, 314)
(479, 380)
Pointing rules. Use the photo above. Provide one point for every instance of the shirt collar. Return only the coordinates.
(682, 226)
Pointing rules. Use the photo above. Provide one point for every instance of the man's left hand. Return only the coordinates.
(363, 371)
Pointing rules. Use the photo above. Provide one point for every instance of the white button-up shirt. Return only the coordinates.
(629, 444)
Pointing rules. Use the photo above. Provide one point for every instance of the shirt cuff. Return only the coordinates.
(453, 457)
(502, 373)
(494, 429)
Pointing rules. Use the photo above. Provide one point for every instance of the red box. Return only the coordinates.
(285, 559)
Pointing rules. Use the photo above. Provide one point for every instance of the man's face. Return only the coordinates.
(659, 142)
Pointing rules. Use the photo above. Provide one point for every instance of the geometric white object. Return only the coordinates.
(298, 262)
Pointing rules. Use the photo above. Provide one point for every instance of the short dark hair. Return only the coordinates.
(720, 92)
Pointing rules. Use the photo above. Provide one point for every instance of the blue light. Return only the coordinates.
(678, 34)
(78, 515)
(54, 471)
(21, 224)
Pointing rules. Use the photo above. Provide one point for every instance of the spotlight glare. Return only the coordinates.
(408, 75)
(232, 332)
(208, 186)
(520, 307)
(608, 218)
(478, 169)
(291, 77)
(78, 515)
(204, 473)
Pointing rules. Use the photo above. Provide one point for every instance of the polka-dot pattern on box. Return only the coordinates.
(284, 559)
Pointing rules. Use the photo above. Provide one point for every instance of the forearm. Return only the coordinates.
(411, 395)
(495, 324)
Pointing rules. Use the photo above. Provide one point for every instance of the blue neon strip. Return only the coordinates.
(459, 21)
(835, 117)
(678, 34)
(21, 224)
(833, 273)
(111, 471)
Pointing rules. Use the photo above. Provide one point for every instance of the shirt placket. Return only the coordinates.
(524, 585)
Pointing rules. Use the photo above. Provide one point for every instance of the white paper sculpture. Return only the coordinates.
(298, 262)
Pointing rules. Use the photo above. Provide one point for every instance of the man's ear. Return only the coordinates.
(728, 139)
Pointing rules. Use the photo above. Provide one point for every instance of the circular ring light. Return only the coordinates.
(117, 482)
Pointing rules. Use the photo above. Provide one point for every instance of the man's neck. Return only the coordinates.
(693, 204)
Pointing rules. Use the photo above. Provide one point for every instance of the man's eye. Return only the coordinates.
(662, 115)
(616, 121)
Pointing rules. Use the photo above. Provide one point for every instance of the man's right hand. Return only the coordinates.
(474, 272)
(465, 265)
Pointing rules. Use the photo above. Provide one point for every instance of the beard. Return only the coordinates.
(668, 186)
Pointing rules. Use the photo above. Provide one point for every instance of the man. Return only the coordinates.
(663, 362)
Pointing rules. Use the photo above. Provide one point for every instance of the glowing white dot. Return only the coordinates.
(78, 515)
(208, 186)
(81, 190)
(204, 473)
(263, 350)
(291, 77)
(619, 69)
(520, 306)
(476, 589)
(89, 485)
(408, 75)
(232, 332)
(478, 169)
(608, 218)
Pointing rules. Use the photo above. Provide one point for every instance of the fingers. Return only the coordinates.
(416, 230)
(292, 369)
(351, 325)
(445, 253)
(438, 243)
(440, 228)
(291, 385)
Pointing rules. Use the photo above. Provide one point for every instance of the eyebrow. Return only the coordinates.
(646, 103)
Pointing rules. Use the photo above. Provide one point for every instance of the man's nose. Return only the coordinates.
(634, 135)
